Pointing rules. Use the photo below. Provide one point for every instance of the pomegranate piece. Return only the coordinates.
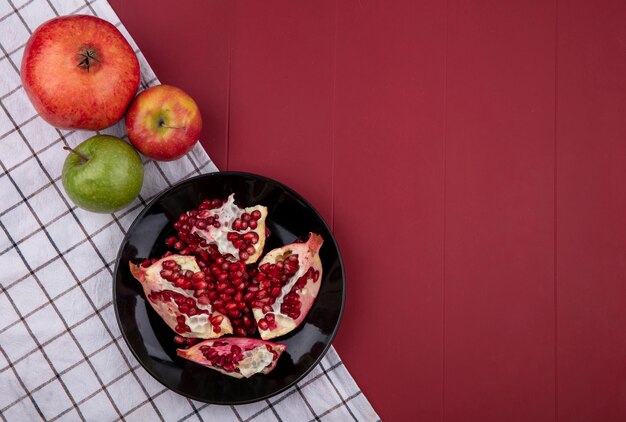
(287, 282)
(169, 285)
(238, 233)
(237, 357)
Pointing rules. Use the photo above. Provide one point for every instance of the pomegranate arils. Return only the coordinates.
(224, 292)
(208, 225)
(287, 286)
(235, 356)
(169, 286)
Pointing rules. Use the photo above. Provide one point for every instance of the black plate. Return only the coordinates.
(289, 217)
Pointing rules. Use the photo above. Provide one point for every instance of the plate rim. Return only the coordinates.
(139, 216)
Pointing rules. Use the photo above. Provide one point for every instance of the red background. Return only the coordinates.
(469, 156)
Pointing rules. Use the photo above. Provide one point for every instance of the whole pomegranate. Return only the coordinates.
(235, 356)
(79, 72)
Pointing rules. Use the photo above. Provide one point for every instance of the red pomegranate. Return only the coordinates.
(237, 357)
(288, 281)
(238, 233)
(79, 72)
(169, 284)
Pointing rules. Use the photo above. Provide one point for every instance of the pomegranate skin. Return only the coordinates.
(79, 72)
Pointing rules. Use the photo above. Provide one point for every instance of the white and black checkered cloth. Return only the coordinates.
(62, 356)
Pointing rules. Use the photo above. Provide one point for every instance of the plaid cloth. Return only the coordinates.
(62, 356)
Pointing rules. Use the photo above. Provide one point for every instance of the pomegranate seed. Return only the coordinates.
(246, 321)
(200, 285)
(240, 331)
(179, 340)
(269, 317)
(197, 276)
(204, 300)
(256, 214)
(251, 237)
(253, 225)
(145, 263)
(262, 324)
(244, 255)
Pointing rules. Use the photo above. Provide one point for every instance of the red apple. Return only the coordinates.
(163, 122)
(79, 72)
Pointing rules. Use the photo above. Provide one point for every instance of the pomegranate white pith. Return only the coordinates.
(168, 284)
(289, 280)
(239, 233)
(238, 357)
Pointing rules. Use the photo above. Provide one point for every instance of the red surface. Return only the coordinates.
(485, 140)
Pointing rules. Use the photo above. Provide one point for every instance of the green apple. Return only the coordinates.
(102, 174)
